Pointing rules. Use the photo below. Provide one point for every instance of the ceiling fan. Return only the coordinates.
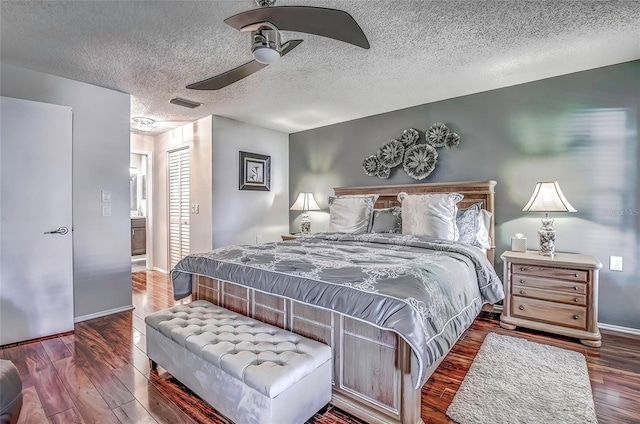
(265, 24)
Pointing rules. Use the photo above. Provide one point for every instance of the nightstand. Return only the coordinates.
(556, 294)
(286, 237)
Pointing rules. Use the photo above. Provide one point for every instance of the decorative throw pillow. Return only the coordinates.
(473, 226)
(432, 215)
(467, 221)
(351, 214)
(387, 220)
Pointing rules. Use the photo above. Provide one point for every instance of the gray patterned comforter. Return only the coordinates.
(426, 290)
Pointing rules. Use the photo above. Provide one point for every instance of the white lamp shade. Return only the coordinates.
(547, 197)
(305, 202)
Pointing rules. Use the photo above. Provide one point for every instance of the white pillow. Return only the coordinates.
(483, 229)
(432, 215)
(351, 214)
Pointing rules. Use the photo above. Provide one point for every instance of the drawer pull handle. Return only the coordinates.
(521, 307)
(575, 275)
(521, 281)
(575, 299)
(575, 317)
(575, 287)
(521, 291)
(523, 269)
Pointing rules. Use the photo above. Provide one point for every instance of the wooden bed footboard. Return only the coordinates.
(371, 367)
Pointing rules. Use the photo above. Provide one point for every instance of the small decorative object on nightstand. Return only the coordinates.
(547, 197)
(556, 294)
(305, 202)
(286, 237)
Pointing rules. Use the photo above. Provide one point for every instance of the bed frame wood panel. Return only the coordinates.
(371, 366)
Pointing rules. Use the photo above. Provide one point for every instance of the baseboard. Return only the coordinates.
(102, 313)
(619, 329)
(164, 271)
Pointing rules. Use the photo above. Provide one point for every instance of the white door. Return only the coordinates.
(178, 205)
(36, 257)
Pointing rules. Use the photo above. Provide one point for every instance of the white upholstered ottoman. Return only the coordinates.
(249, 371)
(10, 392)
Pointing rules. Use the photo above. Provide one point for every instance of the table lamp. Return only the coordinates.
(305, 202)
(547, 197)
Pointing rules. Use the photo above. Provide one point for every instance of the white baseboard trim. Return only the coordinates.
(619, 329)
(102, 313)
(164, 271)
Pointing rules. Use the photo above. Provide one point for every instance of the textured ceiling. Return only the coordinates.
(421, 51)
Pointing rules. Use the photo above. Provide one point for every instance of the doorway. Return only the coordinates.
(139, 206)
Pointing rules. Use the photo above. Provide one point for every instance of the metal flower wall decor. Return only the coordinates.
(418, 159)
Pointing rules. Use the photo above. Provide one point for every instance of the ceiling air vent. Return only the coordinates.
(185, 103)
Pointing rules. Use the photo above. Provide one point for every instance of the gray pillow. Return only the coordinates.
(351, 214)
(432, 215)
(472, 224)
(387, 220)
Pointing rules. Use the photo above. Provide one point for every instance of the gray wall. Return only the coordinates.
(579, 129)
(241, 215)
(101, 246)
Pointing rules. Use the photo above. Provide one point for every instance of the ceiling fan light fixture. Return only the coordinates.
(265, 46)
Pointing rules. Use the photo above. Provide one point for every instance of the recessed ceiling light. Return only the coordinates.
(142, 124)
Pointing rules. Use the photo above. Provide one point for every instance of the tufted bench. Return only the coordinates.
(250, 371)
(10, 392)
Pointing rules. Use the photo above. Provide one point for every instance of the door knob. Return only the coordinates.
(62, 231)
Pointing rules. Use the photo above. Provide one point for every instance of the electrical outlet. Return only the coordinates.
(195, 209)
(615, 263)
(258, 239)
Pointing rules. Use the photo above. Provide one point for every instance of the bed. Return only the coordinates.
(386, 303)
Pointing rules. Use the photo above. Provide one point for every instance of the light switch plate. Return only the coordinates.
(106, 210)
(106, 196)
(615, 263)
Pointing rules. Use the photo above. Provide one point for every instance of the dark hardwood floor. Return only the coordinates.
(100, 374)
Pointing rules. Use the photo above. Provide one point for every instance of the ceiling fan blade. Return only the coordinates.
(290, 45)
(229, 77)
(331, 23)
(236, 74)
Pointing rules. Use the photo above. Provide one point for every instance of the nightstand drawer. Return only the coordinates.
(543, 283)
(554, 313)
(565, 274)
(554, 296)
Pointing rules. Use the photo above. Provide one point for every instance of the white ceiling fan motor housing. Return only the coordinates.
(265, 45)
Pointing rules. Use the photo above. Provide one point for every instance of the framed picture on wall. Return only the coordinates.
(255, 171)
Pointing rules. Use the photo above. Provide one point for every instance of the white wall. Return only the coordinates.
(197, 136)
(241, 215)
(101, 245)
(141, 143)
(227, 215)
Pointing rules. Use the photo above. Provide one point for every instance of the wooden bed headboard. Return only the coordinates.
(473, 192)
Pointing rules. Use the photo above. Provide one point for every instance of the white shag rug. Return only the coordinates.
(513, 380)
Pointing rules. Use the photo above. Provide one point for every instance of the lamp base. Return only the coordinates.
(547, 236)
(305, 224)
